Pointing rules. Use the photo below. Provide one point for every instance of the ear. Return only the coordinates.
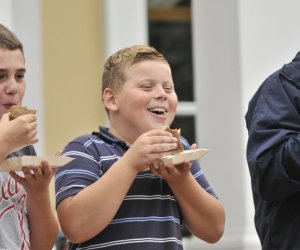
(109, 100)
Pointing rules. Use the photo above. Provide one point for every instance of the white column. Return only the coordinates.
(125, 24)
(220, 119)
(6, 13)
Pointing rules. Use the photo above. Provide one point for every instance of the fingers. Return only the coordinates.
(159, 132)
(36, 172)
(32, 137)
(159, 169)
(5, 117)
(158, 141)
(150, 147)
(31, 172)
(154, 168)
(36, 179)
(28, 122)
(31, 118)
(46, 169)
(185, 166)
(17, 177)
(169, 172)
(58, 152)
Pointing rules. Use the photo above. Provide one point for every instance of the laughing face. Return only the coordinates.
(12, 81)
(146, 101)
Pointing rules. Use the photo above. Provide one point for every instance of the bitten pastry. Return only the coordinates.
(175, 133)
(16, 111)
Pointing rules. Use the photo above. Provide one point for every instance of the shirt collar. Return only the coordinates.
(105, 135)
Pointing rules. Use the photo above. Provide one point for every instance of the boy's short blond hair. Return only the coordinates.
(114, 72)
(8, 40)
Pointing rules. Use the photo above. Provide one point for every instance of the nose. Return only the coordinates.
(160, 93)
(11, 87)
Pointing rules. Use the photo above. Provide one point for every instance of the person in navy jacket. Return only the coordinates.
(273, 155)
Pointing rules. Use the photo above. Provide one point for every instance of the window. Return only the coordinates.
(170, 32)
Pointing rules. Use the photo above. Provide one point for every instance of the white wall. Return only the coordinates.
(237, 45)
(269, 38)
(23, 18)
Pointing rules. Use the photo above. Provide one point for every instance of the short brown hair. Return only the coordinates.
(8, 40)
(114, 69)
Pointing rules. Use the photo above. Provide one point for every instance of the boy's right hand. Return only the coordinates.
(18, 133)
(149, 148)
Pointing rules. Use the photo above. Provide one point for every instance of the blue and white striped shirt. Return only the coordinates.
(149, 217)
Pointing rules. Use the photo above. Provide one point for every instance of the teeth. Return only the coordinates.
(158, 110)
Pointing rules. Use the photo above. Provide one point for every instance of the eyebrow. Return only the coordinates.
(22, 70)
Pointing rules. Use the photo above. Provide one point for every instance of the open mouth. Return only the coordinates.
(158, 111)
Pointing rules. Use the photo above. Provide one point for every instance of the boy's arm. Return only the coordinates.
(42, 221)
(94, 207)
(203, 213)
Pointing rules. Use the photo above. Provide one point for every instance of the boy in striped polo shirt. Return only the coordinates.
(113, 195)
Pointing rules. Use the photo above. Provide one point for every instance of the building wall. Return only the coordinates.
(72, 49)
(72, 62)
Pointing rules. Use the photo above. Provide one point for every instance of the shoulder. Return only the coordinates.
(28, 150)
(87, 145)
(86, 140)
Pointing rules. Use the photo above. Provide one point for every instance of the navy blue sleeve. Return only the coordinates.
(28, 150)
(83, 171)
(273, 148)
(198, 173)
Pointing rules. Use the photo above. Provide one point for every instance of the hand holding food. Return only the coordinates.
(19, 132)
(177, 164)
(149, 148)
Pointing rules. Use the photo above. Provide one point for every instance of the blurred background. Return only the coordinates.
(220, 52)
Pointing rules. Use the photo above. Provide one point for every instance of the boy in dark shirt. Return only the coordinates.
(107, 198)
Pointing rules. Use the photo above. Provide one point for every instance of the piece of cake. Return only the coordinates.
(16, 111)
(175, 133)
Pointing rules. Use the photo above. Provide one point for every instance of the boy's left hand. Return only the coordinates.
(36, 178)
(171, 172)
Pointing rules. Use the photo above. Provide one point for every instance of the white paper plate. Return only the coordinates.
(16, 163)
(186, 155)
